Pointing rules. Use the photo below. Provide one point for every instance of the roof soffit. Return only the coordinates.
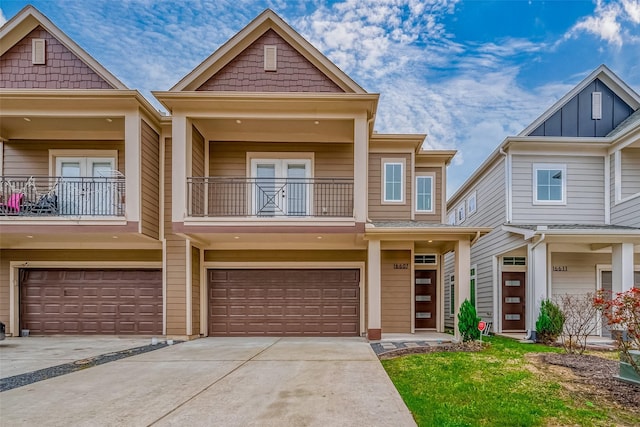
(244, 38)
(28, 19)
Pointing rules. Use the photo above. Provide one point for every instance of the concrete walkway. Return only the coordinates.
(221, 382)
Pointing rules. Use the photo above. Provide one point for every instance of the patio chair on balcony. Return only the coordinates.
(13, 204)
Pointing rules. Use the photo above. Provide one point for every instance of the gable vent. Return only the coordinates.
(428, 259)
(596, 105)
(37, 51)
(270, 58)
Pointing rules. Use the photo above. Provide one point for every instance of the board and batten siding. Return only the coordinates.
(31, 158)
(331, 160)
(438, 197)
(395, 292)
(584, 184)
(176, 260)
(378, 210)
(150, 175)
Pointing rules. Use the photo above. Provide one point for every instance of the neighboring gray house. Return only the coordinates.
(563, 199)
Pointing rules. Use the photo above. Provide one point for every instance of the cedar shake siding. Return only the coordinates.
(150, 181)
(62, 69)
(396, 292)
(245, 73)
(25, 158)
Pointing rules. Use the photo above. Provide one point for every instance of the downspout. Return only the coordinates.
(540, 240)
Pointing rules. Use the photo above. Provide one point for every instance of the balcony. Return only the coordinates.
(264, 198)
(47, 196)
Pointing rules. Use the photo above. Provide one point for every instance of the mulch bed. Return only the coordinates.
(598, 372)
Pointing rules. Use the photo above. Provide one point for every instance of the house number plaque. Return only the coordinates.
(400, 266)
(560, 268)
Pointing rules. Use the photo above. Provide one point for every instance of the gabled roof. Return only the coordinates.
(28, 19)
(630, 121)
(603, 73)
(249, 34)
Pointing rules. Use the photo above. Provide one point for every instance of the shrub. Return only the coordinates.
(579, 321)
(550, 322)
(468, 322)
(623, 313)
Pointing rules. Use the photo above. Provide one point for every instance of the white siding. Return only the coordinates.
(628, 212)
(580, 276)
(585, 191)
(630, 159)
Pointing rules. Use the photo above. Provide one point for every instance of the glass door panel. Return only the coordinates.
(296, 190)
(265, 201)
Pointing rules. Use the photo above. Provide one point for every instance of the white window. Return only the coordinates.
(452, 219)
(549, 184)
(424, 194)
(88, 186)
(460, 214)
(514, 260)
(471, 204)
(393, 182)
(280, 187)
(472, 284)
(452, 294)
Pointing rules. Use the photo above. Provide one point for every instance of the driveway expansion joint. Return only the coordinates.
(15, 381)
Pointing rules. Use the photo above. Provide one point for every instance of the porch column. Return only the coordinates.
(462, 288)
(622, 267)
(181, 150)
(132, 156)
(537, 288)
(374, 322)
(360, 168)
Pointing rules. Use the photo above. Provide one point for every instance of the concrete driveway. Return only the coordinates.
(221, 382)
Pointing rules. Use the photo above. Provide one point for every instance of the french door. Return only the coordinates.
(86, 186)
(281, 187)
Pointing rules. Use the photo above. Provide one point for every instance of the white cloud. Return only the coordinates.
(613, 22)
(3, 19)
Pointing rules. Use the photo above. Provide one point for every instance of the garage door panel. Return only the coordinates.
(312, 302)
(96, 301)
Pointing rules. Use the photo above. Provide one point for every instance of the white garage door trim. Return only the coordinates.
(15, 266)
(204, 306)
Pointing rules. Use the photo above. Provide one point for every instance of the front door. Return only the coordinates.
(426, 301)
(281, 187)
(513, 301)
(85, 187)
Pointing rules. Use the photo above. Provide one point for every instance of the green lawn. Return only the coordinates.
(492, 388)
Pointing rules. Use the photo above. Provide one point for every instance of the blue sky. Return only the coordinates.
(467, 73)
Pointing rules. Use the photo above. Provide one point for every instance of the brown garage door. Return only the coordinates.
(284, 302)
(56, 301)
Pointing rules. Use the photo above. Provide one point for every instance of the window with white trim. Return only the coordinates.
(452, 291)
(460, 214)
(452, 219)
(424, 193)
(280, 187)
(393, 182)
(549, 184)
(472, 284)
(471, 204)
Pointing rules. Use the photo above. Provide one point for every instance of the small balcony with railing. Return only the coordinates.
(270, 198)
(49, 197)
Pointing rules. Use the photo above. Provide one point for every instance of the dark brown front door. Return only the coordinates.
(426, 301)
(513, 301)
(310, 302)
(108, 302)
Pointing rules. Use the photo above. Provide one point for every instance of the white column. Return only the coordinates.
(374, 326)
(622, 266)
(360, 168)
(180, 150)
(132, 166)
(538, 288)
(462, 289)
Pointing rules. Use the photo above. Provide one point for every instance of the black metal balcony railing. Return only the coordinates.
(60, 196)
(270, 197)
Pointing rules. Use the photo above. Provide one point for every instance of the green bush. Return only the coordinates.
(468, 322)
(550, 322)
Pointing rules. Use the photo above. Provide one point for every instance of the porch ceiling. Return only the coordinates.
(47, 127)
(288, 241)
(268, 130)
(77, 240)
